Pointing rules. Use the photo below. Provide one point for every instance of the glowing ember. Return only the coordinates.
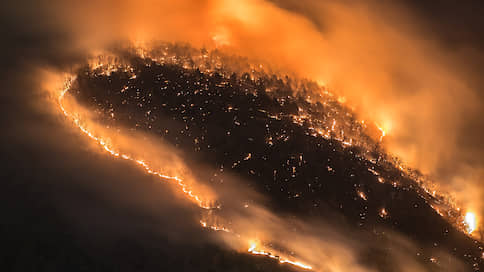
(362, 195)
(470, 222)
(383, 213)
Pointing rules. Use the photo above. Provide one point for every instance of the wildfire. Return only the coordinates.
(333, 130)
(470, 222)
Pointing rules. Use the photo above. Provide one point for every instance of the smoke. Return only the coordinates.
(388, 67)
(329, 245)
(374, 55)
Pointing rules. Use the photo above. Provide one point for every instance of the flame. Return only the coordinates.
(382, 130)
(470, 222)
(215, 227)
(253, 250)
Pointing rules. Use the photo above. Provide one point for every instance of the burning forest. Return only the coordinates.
(288, 139)
(242, 135)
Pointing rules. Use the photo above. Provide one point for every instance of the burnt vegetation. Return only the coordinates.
(305, 151)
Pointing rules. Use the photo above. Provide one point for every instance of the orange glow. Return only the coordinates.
(393, 73)
(424, 138)
(470, 222)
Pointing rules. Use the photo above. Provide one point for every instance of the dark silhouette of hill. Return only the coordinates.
(247, 125)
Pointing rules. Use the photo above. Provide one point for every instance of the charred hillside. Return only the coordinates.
(288, 139)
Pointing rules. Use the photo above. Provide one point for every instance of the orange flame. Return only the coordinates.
(253, 250)
(470, 222)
